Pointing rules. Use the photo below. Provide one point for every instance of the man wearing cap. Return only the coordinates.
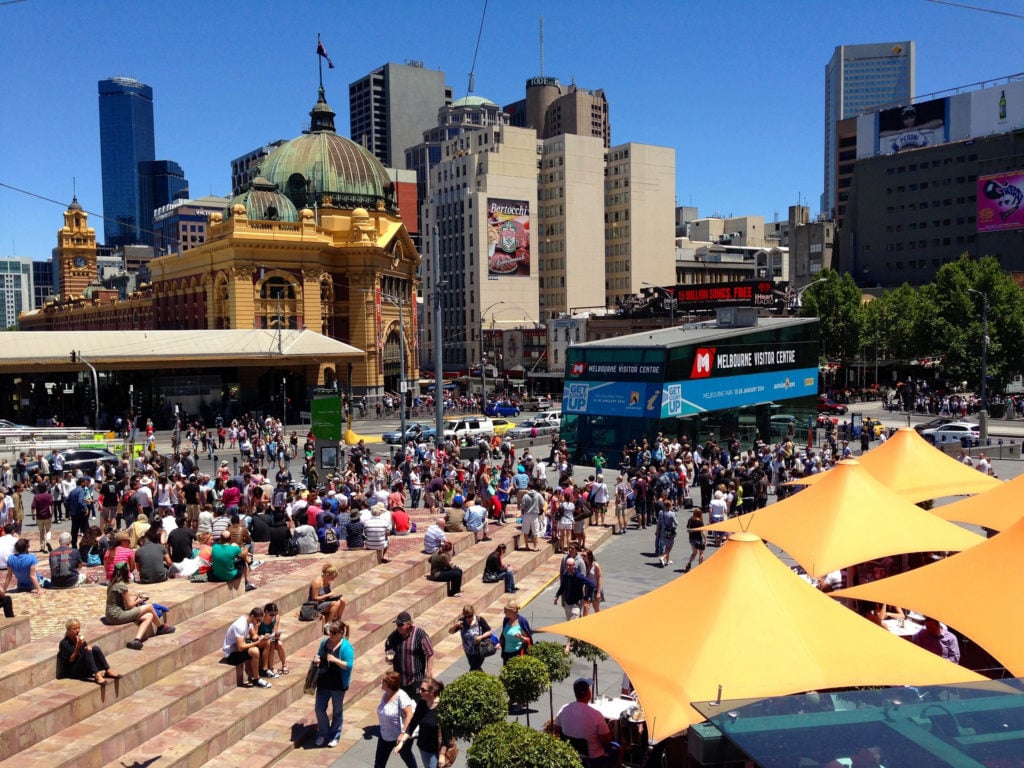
(455, 517)
(579, 721)
(412, 653)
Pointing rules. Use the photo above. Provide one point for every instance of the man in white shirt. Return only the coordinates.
(434, 536)
(7, 542)
(242, 645)
(579, 720)
(476, 519)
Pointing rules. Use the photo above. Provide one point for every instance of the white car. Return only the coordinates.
(469, 428)
(963, 432)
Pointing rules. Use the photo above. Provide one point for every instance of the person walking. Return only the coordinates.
(336, 657)
(668, 524)
(431, 739)
(394, 713)
(473, 629)
(696, 536)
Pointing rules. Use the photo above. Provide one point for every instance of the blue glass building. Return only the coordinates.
(126, 140)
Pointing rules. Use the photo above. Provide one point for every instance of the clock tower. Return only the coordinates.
(76, 252)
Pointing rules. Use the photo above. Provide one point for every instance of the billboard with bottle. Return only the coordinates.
(508, 238)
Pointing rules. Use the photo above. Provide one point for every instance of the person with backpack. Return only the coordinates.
(329, 535)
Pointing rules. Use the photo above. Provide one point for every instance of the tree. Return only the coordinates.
(590, 653)
(836, 302)
(557, 662)
(525, 679)
(471, 702)
(511, 745)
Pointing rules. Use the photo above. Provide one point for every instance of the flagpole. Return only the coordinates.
(320, 60)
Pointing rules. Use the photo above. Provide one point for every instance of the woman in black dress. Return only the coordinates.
(79, 660)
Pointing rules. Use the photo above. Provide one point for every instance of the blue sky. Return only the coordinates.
(736, 87)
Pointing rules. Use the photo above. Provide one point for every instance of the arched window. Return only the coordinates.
(277, 303)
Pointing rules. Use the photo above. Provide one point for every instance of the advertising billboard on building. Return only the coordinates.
(508, 238)
(1000, 199)
(913, 126)
(746, 293)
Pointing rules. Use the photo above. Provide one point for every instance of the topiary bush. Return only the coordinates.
(553, 655)
(525, 679)
(511, 745)
(471, 702)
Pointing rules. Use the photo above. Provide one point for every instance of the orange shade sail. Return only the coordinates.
(997, 509)
(978, 592)
(917, 470)
(745, 621)
(849, 517)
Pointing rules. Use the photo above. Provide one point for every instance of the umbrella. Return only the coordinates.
(997, 509)
(978, 592)
(745, 622)
(849, 517)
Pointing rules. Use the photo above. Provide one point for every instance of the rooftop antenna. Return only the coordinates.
(479, 35)
(542, 46)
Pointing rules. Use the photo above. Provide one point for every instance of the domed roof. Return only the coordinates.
(263, 202)
(473, 101)
(320, 164)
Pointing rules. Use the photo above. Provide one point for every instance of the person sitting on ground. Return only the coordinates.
(435, 537)
(305, 536)
(89, 547)
(66, 565)
(227, 562)
(152, 558)
(495, 570)
(476, 519)
(280, 533)
(354, 538)
(78, 660)
(137, 530)
(126, 608)
(455, 517)
(375, 531)
(270, 625)
(21, 566)
(579, 722)
(243, 645)
(401, 523)
(119, 550)
(442, 569)
(329, 535)
(330, 602)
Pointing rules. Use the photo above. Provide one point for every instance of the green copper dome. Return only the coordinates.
(263, 202)
(320, 164)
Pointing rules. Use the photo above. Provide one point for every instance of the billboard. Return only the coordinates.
(913, 126)
(1000, 199)
(508, 238)
(684, 398)
(747, 293)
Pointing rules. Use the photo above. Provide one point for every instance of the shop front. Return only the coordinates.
(681, 382)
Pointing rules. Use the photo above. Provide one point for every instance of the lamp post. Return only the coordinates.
(402, 384)
(76, 357)
(983, 411)
(483, 354)
(795, 299)
(671, 300)
(438, 346)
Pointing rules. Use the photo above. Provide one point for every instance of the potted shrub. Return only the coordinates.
(559, 666)
(525, 679)
(511, 745)
(470, 702)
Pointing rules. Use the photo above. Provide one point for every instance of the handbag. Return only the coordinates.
(451, 752)
(309, 688)
(487, 646)
(308, 611)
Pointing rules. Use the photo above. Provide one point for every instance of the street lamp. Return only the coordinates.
(402, 383)
(794, 300)
(435, 261)
(983, 411)
(76, 357)
(483, 355)
(671, 301)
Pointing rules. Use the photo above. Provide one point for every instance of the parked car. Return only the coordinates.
(533, 428)
(831, 406)
(538, 403)
(501, 426)
(964, 432)
(468, 428)
(414, 431)
(552, 417)
(933, 423)
(501, 408)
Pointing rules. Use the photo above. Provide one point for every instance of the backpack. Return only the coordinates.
(330, 536)
(279, 500)
(291, 547)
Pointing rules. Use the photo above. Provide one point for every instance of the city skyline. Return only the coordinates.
(737, 90)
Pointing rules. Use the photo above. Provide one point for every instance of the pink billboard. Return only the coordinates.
(1001, 201)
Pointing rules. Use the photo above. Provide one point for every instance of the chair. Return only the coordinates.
(581, 747)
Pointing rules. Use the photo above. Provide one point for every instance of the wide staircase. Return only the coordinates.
(178, 705)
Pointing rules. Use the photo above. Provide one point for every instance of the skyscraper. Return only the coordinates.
(126, 140)
(391, 107)
(859, 78)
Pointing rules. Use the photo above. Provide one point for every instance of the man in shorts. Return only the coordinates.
(243, 645)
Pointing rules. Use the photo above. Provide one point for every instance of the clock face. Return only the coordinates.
(79, 261)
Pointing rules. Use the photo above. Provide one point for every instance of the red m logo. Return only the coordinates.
(703, 362)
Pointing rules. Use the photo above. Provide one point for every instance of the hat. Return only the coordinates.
(146, 480)
(403, 618)
(457, 500)
(354, 515)
(332, 492)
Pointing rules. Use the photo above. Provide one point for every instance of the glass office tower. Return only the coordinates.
(126, 140)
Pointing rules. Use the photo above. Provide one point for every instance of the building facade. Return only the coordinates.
(391, 107)
(16, 288)
(553, 110)
(126, 140)
(341, 268)
(246, 168)
(859, 78)
(182, 224)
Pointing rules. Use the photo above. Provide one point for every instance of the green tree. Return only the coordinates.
(525, 679)
(471, 702)
(836, 302)
(588, 652)
(511, 745)
(558, 664)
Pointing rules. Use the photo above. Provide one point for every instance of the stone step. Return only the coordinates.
(287, 739)
(225, 722)
(15, 632)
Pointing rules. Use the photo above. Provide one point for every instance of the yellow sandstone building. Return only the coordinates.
(316, 243)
